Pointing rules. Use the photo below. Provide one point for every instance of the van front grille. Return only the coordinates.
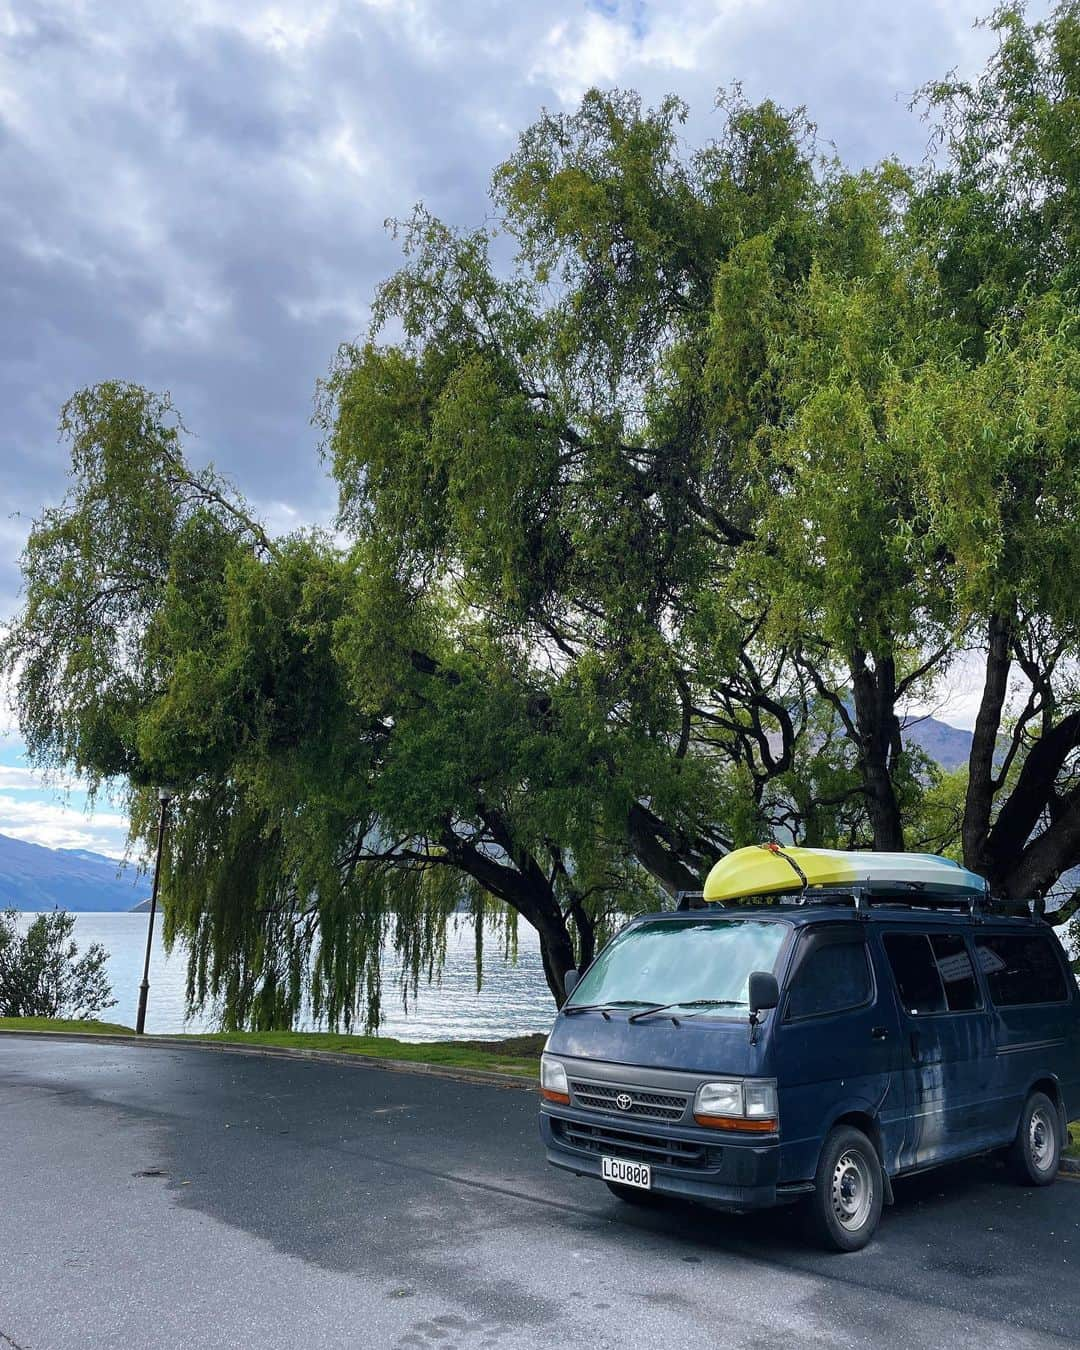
(629, 1101)
(649, 1148)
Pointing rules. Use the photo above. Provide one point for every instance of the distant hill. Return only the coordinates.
(86, 856)
(37, 878)
(946, 745)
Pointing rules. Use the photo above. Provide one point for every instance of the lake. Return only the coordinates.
(514, 999)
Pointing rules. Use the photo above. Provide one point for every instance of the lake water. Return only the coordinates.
(513, 1001)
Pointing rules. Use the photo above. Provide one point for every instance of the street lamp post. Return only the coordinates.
(165, 796)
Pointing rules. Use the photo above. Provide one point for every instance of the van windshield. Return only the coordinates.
(680, 963)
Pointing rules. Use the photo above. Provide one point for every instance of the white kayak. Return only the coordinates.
(773, 869)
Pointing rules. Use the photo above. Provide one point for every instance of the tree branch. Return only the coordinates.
(980, 788)
(1030, 797)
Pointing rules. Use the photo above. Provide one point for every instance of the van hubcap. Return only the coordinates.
(1041, 1140)
(852, 1190)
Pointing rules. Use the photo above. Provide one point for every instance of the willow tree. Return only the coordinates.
(919, 470)
(647, 537)
(525, 681)
(1001, 214)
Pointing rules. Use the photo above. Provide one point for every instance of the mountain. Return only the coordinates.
(946, 745)
(86, 856)
(37, 878)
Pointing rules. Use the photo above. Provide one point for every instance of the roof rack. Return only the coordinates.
(898, 895)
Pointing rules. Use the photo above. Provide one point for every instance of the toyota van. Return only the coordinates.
(813, 1048)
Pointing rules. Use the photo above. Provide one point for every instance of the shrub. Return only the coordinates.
(42, 973)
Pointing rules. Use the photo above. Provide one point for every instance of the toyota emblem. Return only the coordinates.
(624, 1101)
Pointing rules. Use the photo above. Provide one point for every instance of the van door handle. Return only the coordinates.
(915, 1046)
(879, 1033)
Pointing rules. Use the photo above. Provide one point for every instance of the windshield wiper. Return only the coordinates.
(691, 1003)
(570, 1008)
(703, 1003)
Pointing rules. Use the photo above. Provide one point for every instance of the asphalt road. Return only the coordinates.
(183, 1198)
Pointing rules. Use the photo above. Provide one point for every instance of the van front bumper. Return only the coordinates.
(695, 1164)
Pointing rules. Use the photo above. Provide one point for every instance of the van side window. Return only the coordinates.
(956, 971)
(1021, 968)
(833, 977)
(915, 972)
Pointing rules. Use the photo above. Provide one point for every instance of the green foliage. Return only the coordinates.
(646, 543)
(1002, 213)
(42, 973)
(86, 1026)
(519, 1055)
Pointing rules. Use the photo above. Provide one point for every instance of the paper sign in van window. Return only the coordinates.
(953, 968)
(989, 962)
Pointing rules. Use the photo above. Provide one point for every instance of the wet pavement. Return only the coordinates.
(189, 1198)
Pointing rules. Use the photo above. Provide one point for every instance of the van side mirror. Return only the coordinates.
(569, 980)
(764, 991)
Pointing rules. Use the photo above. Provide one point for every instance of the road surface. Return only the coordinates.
(165, 1198)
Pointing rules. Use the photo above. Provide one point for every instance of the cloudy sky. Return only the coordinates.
(193, 196)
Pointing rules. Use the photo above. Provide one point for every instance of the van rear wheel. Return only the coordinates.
(1036, 1150)
(848, 1190)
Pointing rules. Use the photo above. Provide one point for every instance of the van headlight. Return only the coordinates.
(720, 1099)
(747, 1104)
(553, 1084)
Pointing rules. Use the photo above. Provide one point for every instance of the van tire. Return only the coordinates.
(633, 1195)
(1036, 1151)
(849, 1188)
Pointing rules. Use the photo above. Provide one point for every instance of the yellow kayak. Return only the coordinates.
(772, 869)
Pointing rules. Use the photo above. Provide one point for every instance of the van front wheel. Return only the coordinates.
(848, 1190)
(1036, 1151)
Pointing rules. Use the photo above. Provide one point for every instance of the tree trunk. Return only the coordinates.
(874, 693)
(586, 933)
(662, 853)
(1010, 837)
(526, 889)
(1033, 871)
(557, 953)
(980, 789)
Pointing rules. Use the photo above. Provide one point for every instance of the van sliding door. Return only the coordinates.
(946, 1043)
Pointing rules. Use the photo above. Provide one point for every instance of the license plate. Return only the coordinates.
(626, 1173)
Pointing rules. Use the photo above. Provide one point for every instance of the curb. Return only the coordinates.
(1070, 1167)
(487, 1077)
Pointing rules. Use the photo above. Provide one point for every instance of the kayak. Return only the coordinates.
(772, 869)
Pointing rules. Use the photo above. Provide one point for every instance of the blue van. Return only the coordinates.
(812, 1050)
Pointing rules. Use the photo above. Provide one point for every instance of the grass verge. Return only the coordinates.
(1072, 1148)
(60, 1024)
(517, 1055)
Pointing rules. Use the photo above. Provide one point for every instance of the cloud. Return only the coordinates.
(15, 779)
(50, 809)
(57, 826)
(192, 195)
